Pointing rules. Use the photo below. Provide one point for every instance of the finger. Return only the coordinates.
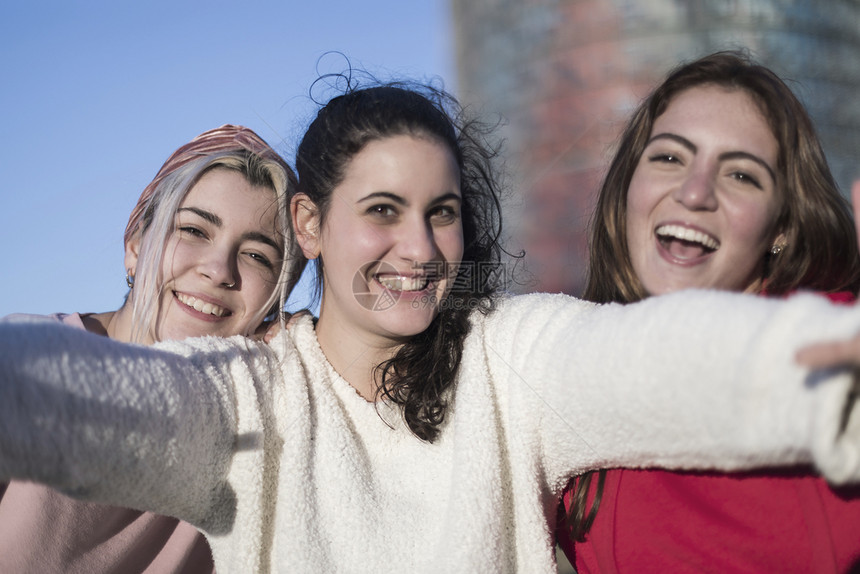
(833, 354)
(287, 319)
(260, 332)
(292, 320)
(274, 329)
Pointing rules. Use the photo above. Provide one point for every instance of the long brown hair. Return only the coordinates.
(820, 251)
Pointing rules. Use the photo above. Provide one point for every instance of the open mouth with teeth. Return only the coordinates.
(685, 243)
(201, 306)
(402, 283)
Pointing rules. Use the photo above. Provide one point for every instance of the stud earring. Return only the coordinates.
(776, 249)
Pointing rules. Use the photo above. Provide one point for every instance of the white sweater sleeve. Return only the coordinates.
(123, 424)
(698, 379)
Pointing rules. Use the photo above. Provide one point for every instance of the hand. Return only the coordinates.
(831, 354)
(273, 328)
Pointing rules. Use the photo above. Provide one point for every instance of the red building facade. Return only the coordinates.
(565, 75)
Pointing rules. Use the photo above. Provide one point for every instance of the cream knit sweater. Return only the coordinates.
(288, 469)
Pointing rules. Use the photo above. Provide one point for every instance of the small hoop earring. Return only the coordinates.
(776, 249)
(129, 279)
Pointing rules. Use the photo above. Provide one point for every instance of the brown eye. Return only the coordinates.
(444, 214)
(663, 158)
(382, 210)
(746, 178)
(261, 259)
(191, 230)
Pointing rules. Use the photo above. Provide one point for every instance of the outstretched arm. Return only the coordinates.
(694, 380)
(121, 424)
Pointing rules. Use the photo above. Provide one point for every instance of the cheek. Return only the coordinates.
(752, 223)
(641, 202)
(171, 261)
(348, 252)
(348, 257)
(641, 199)
(348, 240)
(451, 247)
(259, 287)
(451, 244)
(636, 218)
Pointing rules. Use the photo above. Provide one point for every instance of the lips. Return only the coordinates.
(686, 243)
(202, 306)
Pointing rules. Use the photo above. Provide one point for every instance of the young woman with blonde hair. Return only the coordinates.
(208, 251)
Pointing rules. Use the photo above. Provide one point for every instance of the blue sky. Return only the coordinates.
(96, 95)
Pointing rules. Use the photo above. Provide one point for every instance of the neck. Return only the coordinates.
(755, 287)
(354, 355)
(115, 324)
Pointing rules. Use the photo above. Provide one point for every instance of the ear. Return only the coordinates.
(132, 252)
(306, 222)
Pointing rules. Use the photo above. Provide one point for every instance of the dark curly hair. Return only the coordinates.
(425, 367)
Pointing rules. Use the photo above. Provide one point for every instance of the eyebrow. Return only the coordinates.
(218, 222)
(263, 238)
(722, 157)
(402, 201)
(207, 215)
(385, 195)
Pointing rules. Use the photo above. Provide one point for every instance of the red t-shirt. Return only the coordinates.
(779, 520)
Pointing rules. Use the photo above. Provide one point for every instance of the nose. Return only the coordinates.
(697, 191)
(416, 241)
(219, 267)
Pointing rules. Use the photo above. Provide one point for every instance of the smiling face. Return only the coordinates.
(702, 203)
(391, 241)
(222, 262)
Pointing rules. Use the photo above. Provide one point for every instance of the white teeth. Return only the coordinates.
(687, 234)
(400, 283)
(202, 306)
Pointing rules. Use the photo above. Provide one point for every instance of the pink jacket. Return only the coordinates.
(44, 532)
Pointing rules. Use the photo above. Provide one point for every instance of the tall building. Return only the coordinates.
(565, 74)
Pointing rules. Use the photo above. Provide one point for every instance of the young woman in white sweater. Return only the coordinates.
(423, 423)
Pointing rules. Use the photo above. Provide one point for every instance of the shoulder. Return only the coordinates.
(73, 319)
(533, 306)
(531, 314)
(842, 297)
(520, 321)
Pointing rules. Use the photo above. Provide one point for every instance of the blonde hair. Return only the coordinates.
(153, 219)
